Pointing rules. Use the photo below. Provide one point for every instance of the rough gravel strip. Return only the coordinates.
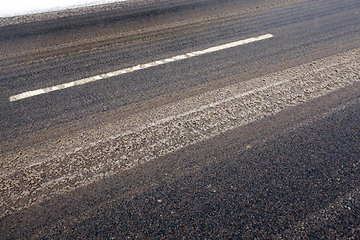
(32, 178)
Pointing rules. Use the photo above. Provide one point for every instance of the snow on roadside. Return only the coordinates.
(24, 7)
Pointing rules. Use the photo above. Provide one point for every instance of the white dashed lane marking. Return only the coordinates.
(135, 68)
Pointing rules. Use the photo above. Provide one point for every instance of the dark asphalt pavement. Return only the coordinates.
(302, 32)
(294, 174)
(291, 175)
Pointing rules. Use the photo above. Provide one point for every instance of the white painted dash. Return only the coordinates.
(136, 68)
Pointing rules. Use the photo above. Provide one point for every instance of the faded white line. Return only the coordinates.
(135, 68)
(138, 139)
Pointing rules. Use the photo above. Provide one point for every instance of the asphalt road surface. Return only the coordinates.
(198, 137)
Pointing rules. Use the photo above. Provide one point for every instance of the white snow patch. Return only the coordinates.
(12, 8)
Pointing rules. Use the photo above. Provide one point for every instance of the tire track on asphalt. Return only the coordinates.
(171, 128)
